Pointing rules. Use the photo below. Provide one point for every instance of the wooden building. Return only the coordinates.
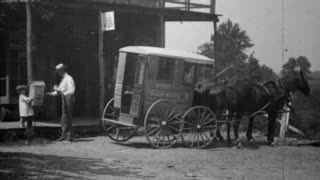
(36, 35)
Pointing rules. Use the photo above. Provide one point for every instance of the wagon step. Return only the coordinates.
(118, 122)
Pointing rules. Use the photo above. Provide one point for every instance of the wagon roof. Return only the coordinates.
(187, 56)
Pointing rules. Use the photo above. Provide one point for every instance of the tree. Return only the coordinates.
(294, 64)
(231, 45)
(267, 73)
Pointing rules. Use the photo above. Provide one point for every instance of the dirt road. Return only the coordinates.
(100, 158)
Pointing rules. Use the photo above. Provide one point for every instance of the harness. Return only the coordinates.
(281, 87)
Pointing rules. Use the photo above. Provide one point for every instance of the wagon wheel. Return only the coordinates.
(115, 132)
(120, 133)
(199, 127)
(163, 124)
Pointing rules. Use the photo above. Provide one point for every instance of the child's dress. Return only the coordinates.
(26, 113)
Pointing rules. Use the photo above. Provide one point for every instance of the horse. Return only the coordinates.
(252, 98)
(269, 97)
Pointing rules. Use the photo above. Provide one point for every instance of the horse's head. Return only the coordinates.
(302, 84)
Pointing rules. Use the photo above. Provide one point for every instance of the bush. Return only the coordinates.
(307, 109)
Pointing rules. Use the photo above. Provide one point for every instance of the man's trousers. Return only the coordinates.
(66, 116)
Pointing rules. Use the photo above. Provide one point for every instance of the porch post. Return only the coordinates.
(28, 41)
(162, 31)
(101, 64)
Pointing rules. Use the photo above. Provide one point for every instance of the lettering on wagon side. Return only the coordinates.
(160, 94)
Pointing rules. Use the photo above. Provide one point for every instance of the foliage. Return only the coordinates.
(300, 63)
(308, 110)
(231, 45)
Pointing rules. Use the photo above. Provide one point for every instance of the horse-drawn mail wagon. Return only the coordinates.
(154, 89)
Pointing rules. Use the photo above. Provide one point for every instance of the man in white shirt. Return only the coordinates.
(66, 90)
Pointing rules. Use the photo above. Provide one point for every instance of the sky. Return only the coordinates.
(264, 23)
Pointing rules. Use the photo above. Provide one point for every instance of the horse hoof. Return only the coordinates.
(251, 140)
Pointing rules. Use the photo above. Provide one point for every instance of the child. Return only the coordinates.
(25, 110)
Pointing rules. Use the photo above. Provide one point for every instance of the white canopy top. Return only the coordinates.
(158, 51)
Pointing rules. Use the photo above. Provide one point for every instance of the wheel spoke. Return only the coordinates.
(117, 133)
(203, 114)
(192, 121)
(186, 122)
(166, 114)
(206, 136)
(112, 126)
(173, 117)
(203, 120)
(168, 137)
(163, 137)
(198, 139)
(160, 113)
(176, 122)
(193, 115)
(173, 128)
(153, 131)
(209, 127)
(173, 110)
(202, 137)
(210, 120)
(198, 115)
(189, 128)
(158, 140)
(193, 139)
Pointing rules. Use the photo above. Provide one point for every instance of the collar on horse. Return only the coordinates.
(283, 94)
(281, 88)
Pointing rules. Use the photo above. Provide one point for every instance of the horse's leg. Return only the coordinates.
(272, 117)
(218, 134)
(229, 119)
(250, 127)
(236, 126)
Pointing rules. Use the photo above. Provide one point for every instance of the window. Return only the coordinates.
(140, 70)
(189, 70)
(165, 69)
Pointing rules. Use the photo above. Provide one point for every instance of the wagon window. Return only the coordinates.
(140, 70)
(189, 70)
(165, 69)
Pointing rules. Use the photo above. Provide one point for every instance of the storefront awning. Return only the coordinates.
(168, 14)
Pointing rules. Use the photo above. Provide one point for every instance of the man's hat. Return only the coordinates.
(22, 87)
(60, 67)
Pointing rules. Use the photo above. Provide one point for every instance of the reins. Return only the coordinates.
(283, 94)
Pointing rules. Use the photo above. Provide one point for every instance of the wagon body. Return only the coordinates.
(153, 80)
(147, 74)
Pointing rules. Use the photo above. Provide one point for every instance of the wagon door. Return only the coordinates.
(137, 98)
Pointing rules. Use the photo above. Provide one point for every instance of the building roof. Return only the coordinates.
(158, 51)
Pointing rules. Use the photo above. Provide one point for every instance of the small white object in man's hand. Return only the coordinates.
(50, 94)
(56, 87)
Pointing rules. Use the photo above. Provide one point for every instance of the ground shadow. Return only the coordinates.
(179, 144)
(145, 145)
(17, 165)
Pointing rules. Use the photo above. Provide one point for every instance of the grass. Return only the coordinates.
(308, 111)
